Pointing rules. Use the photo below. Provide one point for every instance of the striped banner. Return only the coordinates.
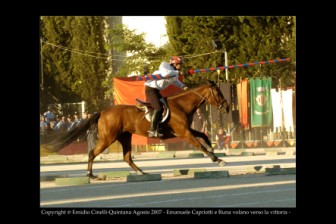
(192, 71)
(152, 77)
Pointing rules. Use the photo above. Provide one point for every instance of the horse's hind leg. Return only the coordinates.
(125, 140)
(100, 147)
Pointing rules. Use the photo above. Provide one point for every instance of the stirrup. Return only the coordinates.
(158, 134)
(151, 134)
(154, 134)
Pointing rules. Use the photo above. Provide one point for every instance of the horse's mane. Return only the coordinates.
(195, 88)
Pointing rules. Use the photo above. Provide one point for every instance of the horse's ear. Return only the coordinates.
(212, 83)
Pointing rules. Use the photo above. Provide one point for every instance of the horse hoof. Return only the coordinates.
(91, 176)
(222, 163)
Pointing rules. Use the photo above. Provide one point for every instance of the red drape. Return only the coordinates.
(243, 99)
(126, 90)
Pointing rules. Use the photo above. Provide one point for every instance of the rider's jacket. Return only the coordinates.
(170, 77)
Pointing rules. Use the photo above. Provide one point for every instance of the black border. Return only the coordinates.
(26, 84)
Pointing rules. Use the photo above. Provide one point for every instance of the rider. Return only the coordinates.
(170, 72)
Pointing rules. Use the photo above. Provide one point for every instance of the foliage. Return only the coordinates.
(141, 53)
(245, 38)
(74, 58)
(55, 60)
(78, 52)
(90, 66)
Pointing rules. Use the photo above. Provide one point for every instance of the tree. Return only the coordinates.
(262, 39)
(125, 40)
(245, 38)
(75, 60)
(142, 54)
(89, 60)
(55, 37)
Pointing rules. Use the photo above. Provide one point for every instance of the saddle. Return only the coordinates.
(148, 109)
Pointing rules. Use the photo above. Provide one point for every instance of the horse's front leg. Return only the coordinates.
(190, 135)
(205, 138)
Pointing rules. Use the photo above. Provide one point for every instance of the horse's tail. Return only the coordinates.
(70, 136)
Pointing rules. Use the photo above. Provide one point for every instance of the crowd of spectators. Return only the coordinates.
(52, 124)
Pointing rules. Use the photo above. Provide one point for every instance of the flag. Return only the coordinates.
(243, 101)
(227, 91)
(282, 106)
(277, 110)
(287, 100)
(261, 104)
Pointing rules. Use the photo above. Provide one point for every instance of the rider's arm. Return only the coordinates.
(167, 70)
(179, 84)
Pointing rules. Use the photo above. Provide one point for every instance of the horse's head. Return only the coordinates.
(217, 97)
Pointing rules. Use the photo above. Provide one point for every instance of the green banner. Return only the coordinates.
(261, 104)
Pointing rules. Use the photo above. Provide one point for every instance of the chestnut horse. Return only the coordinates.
(119, 122)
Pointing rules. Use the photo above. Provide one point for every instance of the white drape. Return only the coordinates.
(282, 104)
(276, 107)
(287, 99)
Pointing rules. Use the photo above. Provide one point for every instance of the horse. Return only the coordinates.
(119, 122)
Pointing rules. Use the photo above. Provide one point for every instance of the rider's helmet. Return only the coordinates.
(176, 60)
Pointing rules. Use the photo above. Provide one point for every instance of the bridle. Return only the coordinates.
(217, 101)
(219, 104)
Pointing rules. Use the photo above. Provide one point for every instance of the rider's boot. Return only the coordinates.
(154, 131)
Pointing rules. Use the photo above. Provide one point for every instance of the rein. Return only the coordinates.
(203, 98)
(219, 105)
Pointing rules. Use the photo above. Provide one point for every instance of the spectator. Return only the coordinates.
(199, 121)
(43, 125)
(222, 140)
(61, 125)
(50, 115)
(70, 121)
(43, 129)
(76, 121)
(84, 116)
(54, 123)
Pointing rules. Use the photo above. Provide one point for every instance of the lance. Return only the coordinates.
(192, 71)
